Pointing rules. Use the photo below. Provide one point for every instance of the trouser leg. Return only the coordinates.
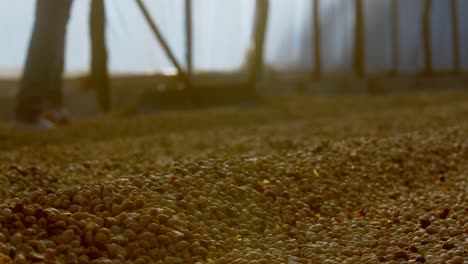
(41, 83)
(99, 77)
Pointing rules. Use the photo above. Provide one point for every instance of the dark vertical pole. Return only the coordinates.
(258, 43)
(456, 36)
(99, 76)
(395, 36)
(359, 55)
(189, 36)
(427, 37)
(317, 40)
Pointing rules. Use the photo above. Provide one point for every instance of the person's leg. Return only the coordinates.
(99, 77)
(41, 82)
(53, 93)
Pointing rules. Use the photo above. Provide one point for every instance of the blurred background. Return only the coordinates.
(306, 42)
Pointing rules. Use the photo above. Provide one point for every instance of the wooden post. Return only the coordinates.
(189, 36)
(317, 40)
(395, 37)
(256, 57)
(428, 70)
(99, 75)
(456, 36)
(359, 55)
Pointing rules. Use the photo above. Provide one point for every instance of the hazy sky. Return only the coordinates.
(222, 30)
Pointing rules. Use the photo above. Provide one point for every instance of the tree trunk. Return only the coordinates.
(428, 70)
(359, 53)
(255, 59)
(317, 40)
(395, 37)
(99, 75)
(456, 36)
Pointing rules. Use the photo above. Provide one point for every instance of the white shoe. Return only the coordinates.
(39, 124)
(57, 116)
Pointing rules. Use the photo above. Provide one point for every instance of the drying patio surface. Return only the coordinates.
(361, 179)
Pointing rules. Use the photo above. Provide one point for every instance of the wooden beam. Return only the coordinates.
(456, 36)
(256, 58)
(395, 36)
(182, 74)
(317, 40)
(428, 70)
(359, 52)
(189, 36)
